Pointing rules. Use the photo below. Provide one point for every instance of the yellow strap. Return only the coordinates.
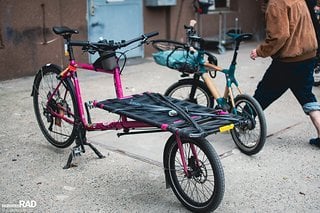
(226, 127)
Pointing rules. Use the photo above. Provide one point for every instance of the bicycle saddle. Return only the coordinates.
(64, 30)
(243, 37)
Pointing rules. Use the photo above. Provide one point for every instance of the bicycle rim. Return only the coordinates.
(250, 136)
(182, 90)
(203, 188)
(56, 130)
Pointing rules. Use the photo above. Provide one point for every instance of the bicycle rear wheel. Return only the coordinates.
(249, 136)
(182, 90)
(202, 188)
(57, 131)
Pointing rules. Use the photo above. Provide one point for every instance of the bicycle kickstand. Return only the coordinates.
(81, 140)
(95, 150)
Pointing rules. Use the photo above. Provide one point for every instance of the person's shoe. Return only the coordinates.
(315, 142)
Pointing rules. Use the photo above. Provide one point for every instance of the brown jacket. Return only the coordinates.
(290, 33)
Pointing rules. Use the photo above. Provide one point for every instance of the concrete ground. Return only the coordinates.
(283, 177)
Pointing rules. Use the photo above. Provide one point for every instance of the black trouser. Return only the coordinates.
(281, 76)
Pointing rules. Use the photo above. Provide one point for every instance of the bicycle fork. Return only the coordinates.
(183, 157)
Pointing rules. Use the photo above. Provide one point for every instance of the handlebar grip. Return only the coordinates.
(149, 35)
(79, 43)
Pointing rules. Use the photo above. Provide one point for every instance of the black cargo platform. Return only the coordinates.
(169, 114)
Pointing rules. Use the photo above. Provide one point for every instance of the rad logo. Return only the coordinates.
(21, 204)
(27, 203)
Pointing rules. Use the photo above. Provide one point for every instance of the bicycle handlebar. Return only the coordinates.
(143, 37)
(66, 33)
(110, 45)
(79, 43)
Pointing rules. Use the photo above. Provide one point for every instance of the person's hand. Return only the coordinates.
(253, 54)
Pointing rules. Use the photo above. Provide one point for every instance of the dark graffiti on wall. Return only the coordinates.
(33, 35)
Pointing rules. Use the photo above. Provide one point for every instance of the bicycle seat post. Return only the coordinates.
(238, 40)
(69, 49)
(235, 53)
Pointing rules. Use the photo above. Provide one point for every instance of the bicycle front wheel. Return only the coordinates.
(192, 91)
(202, 188)
(50, 100)
(250, 135)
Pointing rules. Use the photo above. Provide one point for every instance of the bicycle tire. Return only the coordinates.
(203, 190)
(249, 138)
(163, 45)
(57, 131)
(181, 90)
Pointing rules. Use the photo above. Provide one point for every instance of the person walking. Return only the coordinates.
(291, 43)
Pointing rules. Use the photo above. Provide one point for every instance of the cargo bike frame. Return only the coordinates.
(192, 167)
